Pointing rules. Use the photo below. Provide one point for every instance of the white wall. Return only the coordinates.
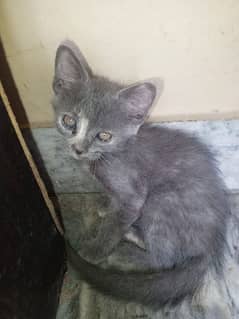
(192, 44)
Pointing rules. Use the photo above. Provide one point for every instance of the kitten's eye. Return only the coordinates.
(69, 122)
(104, 136)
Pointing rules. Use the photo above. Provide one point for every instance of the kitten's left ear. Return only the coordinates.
(70, 66)
(137, 99)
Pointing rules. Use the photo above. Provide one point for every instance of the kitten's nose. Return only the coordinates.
(77, 149)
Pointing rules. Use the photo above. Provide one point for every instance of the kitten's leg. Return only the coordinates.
(132, 235)
(110, 230)
(128, 197)
(108, 234)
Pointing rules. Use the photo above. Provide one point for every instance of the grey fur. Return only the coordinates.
(163, 184)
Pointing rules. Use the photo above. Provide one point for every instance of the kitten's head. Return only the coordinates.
(96, 115)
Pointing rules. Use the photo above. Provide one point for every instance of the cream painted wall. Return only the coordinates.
(192, 44)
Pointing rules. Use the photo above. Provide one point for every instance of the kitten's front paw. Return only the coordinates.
(133, 237)
(102, 213)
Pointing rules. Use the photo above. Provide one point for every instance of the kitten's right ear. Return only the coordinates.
(70, 66)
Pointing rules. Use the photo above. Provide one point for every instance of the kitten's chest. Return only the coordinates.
(117, 173)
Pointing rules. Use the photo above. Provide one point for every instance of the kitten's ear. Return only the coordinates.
(137, 99)
(70, 66)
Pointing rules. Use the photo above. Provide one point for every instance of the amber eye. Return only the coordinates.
(69, 122)
(104, 136)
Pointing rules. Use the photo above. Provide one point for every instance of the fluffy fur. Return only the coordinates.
(163, 184)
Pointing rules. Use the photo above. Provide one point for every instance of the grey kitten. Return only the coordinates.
(163, 184)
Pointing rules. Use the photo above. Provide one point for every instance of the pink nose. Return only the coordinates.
(77, 149)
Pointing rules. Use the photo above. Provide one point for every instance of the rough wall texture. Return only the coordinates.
(193, 45)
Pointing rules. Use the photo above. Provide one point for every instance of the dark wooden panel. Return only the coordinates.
(31, 249)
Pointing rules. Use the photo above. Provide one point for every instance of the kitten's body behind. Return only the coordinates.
(163, 183)
(182, 220)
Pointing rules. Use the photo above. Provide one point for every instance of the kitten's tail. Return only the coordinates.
(150, 289)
